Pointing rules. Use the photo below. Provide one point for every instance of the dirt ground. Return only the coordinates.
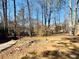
(59, 46)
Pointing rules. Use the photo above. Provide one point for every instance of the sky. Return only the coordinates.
(35, 5)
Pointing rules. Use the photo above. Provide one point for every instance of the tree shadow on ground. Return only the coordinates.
(55, 54)
(51, 54)
(72, 39)
(4, 39)
(32, 55)
(28, 57)
(73, 54)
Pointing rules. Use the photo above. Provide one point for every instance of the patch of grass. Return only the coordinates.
(21, 42)
(30, 57)
(33, 53)
(25, 57)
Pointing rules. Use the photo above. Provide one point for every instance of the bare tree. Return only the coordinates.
(50, 12)
(29, 10)
(0, 10)
(21, 17)
(41, 3)
(65, 16)
(75, 16)
(37, 17)
(14, 1)
(9, 12)
(4, 4)
(45, 13)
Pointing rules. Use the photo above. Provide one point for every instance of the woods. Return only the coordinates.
(39, 29)
(48, 17)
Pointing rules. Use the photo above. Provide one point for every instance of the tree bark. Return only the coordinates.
(49, 18)
(15, 18)
(4, 4)
(70, 14)
(29, 10)
(42, 15)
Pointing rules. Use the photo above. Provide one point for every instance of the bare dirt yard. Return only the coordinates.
(50, 47)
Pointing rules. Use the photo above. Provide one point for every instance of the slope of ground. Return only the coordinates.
(51, 47)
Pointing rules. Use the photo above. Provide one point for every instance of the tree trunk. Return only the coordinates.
(50, 12)
(14, 18)
(49, 18)
(42, 15)
(70, 14)
(45, 17)
(65, 16)
(29, 10)
(4, 4)
(75, 17)
(37, 21)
